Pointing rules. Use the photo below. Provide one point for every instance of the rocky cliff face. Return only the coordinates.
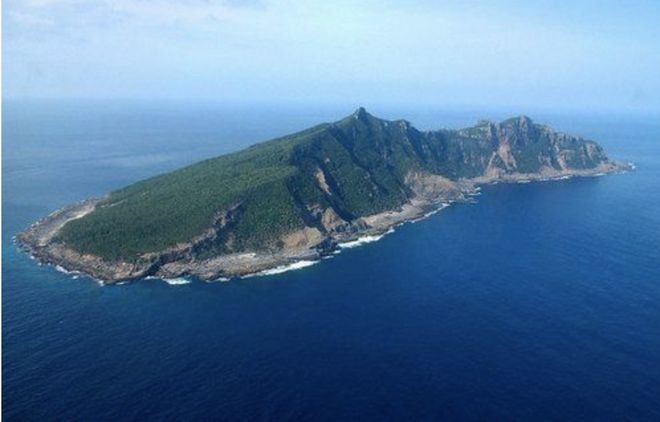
(298, 196)
(520, 146)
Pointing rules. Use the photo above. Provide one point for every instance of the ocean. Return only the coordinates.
(540, 301)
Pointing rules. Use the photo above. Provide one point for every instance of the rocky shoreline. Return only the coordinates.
(431, 193)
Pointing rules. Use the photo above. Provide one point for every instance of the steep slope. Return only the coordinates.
(298, 195)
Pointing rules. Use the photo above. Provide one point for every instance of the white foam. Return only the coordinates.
(364, 240)
(425, 216)
(61, 269)
(475, 192)
(283, 268)
(179, 281)
(430, 213)
(359, 242)
(437, 210)
(440, 207)
(523, 181)
(65, 271)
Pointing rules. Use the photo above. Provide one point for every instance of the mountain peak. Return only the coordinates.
(519, 121)
(361, 113)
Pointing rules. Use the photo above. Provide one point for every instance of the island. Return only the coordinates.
(296, 198)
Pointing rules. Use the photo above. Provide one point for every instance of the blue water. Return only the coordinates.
(540, 301)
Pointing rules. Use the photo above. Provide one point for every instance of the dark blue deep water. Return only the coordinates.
(540, 301)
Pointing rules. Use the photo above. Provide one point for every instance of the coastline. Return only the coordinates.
(174, 266)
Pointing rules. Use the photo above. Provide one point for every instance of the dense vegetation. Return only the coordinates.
(273, 186)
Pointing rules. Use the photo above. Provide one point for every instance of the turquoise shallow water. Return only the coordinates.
(541, 300)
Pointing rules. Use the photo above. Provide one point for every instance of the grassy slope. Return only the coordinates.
(156, 213)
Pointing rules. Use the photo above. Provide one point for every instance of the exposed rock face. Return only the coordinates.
(434, 188)
(305, 238)
(520, 146)
(358, 176)
(323, 184)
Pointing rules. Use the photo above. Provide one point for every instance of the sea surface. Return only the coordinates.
(540, 301)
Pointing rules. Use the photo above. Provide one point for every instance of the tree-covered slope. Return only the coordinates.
(351, 168)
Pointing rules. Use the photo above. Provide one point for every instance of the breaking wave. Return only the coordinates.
(176, 281)
(364, 240)
(179, 281)
(283, 268)
(63, 270)
(359, 242)
(73, 273)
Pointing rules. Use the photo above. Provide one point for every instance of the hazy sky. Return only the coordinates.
(566, 54)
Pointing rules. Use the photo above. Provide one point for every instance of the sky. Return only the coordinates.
(544, 54)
